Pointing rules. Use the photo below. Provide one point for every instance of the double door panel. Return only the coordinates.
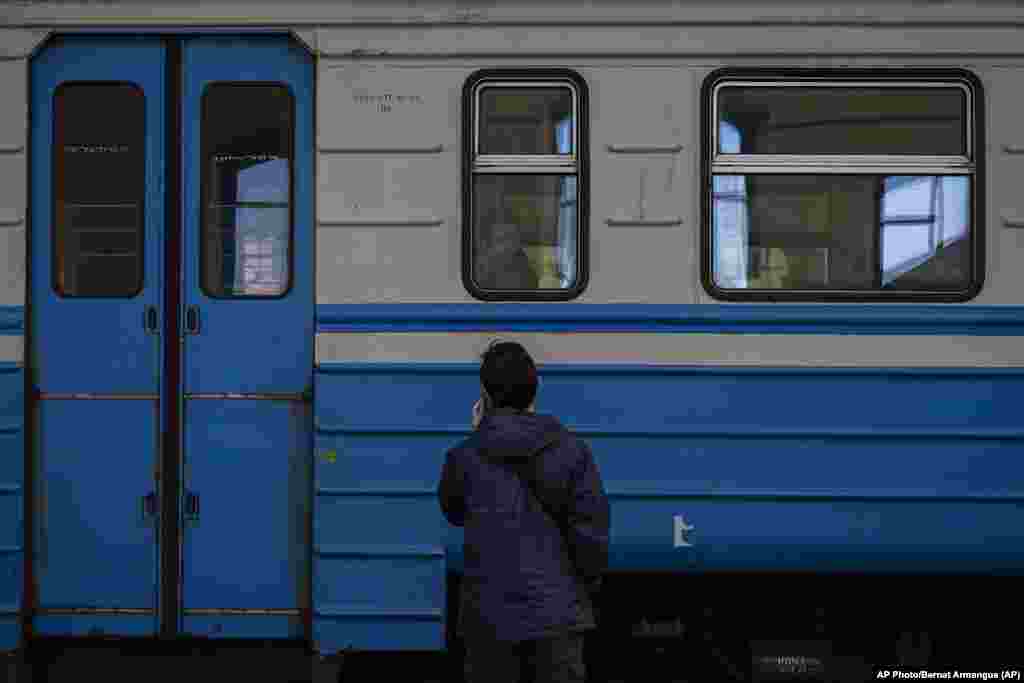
(141, 146)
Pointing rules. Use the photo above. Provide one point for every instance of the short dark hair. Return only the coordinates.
(509, 375)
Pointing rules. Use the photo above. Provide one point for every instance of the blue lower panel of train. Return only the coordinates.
(378, 538)
(12, 482)
(708, 470)
(913, 471)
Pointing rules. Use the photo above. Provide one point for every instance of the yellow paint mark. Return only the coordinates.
(329, 456)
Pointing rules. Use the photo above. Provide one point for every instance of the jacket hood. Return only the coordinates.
(508, 433)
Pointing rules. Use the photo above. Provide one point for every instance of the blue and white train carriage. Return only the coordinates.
(768, 257)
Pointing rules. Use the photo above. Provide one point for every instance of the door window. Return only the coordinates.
(247, 133)
(99, 168)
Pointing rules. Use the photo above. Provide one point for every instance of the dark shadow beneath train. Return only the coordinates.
(674, 628)
(63, 660)
(653, 628)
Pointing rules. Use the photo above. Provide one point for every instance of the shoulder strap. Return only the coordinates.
(528, 474)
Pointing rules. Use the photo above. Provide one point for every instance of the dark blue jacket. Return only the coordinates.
(521, 580)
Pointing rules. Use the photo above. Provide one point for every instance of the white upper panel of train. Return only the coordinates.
(390, 118)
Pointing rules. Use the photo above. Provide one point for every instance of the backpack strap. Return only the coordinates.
(528, 474)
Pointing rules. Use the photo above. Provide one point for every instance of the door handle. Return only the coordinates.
(148, 507)
(192, 508)
(192, 320)
(149, 320)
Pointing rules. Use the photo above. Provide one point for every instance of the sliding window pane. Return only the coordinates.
(526, 121)
(845, 120)
(836, 232)
(525, 231)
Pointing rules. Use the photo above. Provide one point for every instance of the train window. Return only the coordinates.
(842, 186)
(525, 185)
(99, 170)
(247, 137)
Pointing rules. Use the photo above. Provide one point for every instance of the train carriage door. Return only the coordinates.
(97, 218)
(248, 333)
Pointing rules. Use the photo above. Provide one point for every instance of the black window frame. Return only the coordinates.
(527, 77)
(203, 192)
(54, 151)
(975, 139)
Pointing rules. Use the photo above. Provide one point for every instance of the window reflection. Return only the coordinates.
(924, 230)
(263, 181)
(563, 136)
(253, 243)
(730, 223)
(247, 138)
(567, 214)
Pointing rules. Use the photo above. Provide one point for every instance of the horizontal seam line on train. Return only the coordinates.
(410, 492)
(367, 54)
(379, 612)
(341, 323)
(808, 496)
(241, 611)
(869, 314)
(839, 497)
(383, 54)
(406, 23)
(252, 396)
(94, 611)
(85, 396)
(747, 433)
(346, 367)
(346, 550)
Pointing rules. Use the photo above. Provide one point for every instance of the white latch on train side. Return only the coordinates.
(682, 532)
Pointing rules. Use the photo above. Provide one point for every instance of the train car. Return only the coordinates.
(254, 250)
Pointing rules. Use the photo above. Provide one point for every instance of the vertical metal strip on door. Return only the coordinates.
(97, 218)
